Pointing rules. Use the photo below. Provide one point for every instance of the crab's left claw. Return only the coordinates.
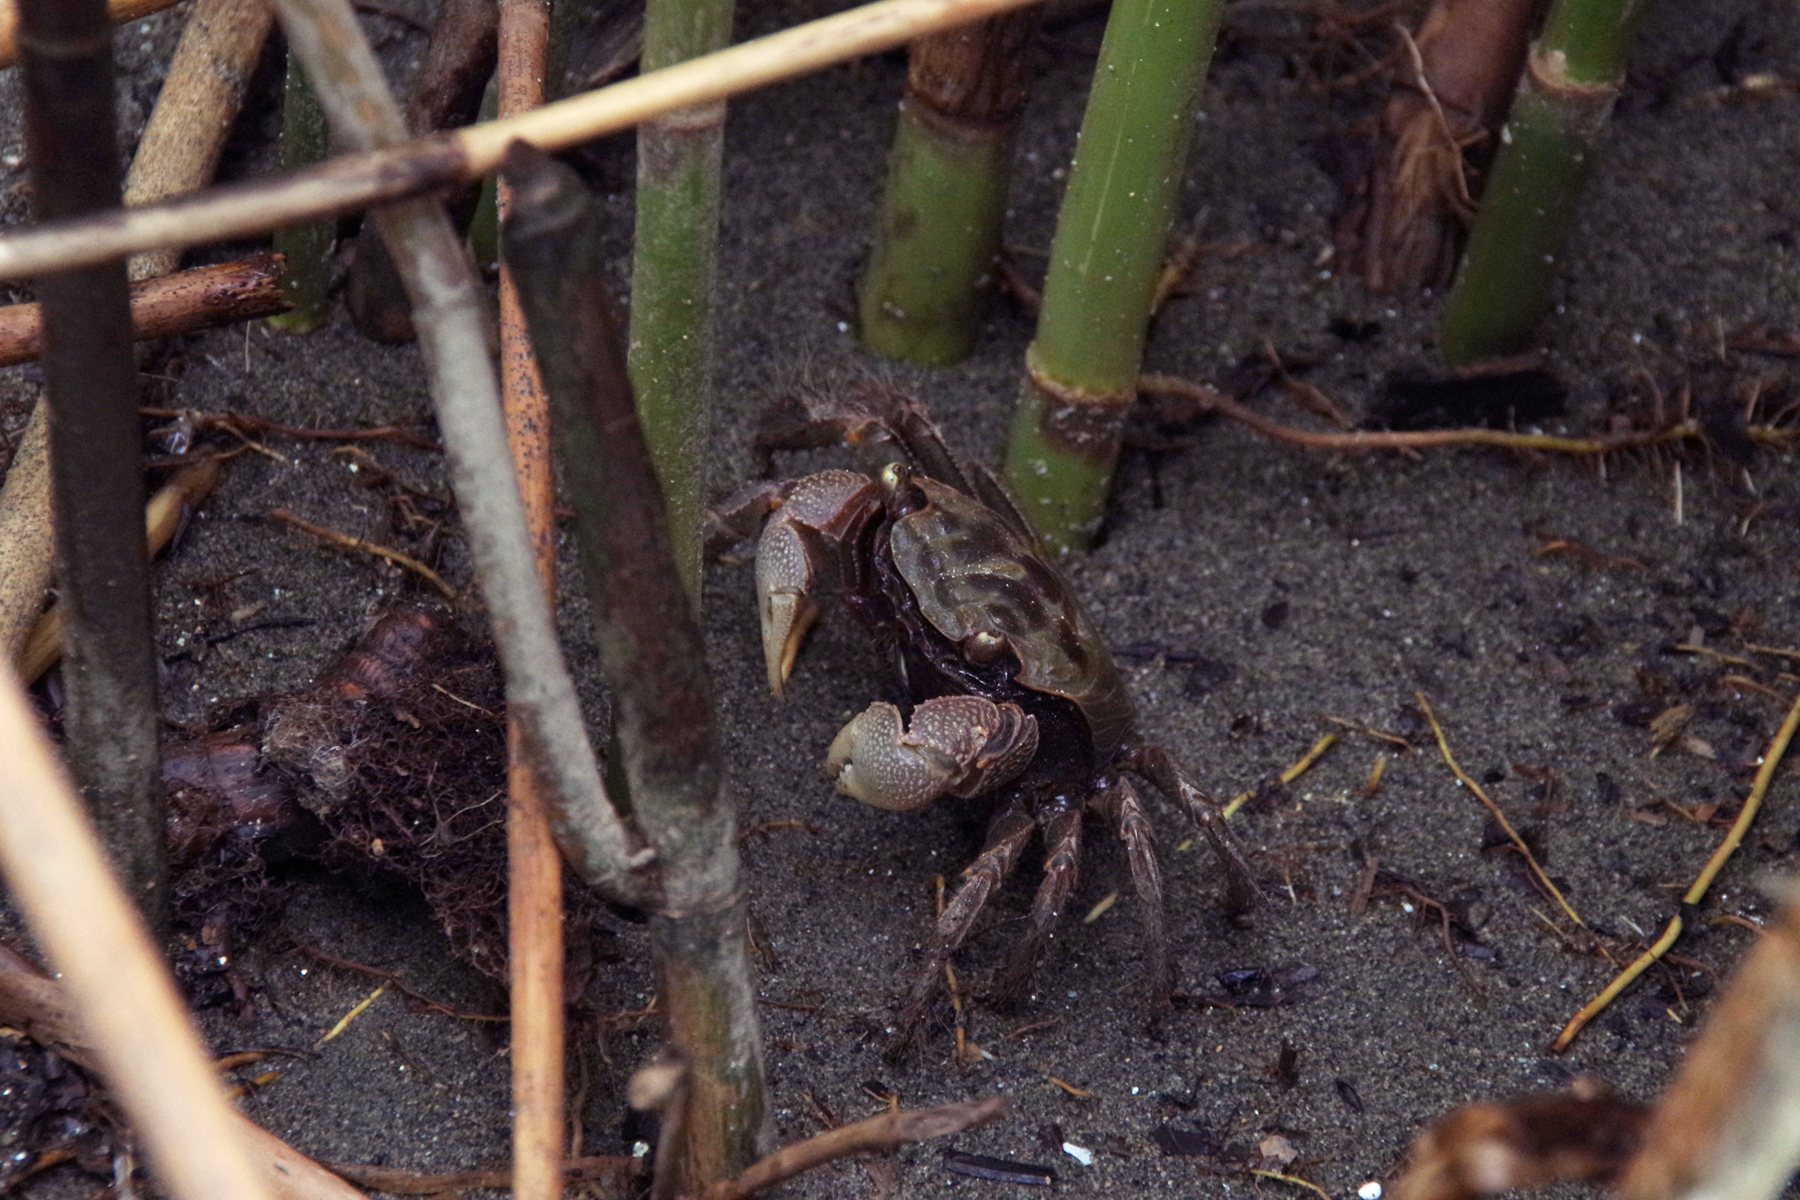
(814, 513)
(784, 603)
(955, 745)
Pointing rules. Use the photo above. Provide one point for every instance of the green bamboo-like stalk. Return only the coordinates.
(654, 661)
(939, 228)
(1081, 369)
(1563, 102)
(672, 270)
(304, 140)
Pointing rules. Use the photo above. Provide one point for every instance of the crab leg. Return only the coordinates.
(1061, 819)
(1160, 768)
(1122, 803)
(1006, 838)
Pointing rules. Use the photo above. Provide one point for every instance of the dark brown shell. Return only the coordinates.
(970, 571)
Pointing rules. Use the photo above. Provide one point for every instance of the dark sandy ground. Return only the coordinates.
(1279, 588)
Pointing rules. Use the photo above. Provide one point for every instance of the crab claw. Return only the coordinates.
(957, 745)
(784, 577)
(814, 514)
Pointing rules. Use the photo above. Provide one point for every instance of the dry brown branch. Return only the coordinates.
(395, 172)
(117, 11)
(534, 889)
(168, 510)
(346, 542)
(244, 425)
(185, 302)
(877, 1135)
(118, 989)
(195, 110)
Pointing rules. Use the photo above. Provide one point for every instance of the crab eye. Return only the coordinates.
(983, 646)
(893, 477)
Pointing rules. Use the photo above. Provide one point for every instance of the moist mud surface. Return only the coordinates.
(1260, 596)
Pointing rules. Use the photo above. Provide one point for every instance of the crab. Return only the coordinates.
(1008, 691)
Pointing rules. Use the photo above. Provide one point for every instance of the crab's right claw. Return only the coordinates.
(784, 579)
(956, 745)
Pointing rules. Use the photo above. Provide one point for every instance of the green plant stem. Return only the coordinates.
(1566, 95)
(654, 661)
(939, 229)
(97, 481)
(673, 263)
(307, 247)
(1081, 369)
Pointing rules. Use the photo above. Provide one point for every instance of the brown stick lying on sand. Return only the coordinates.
(185, 302)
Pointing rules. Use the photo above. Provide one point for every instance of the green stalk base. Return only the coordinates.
(935, 242)
(704, 964)
(1527, 209)
(1111, 236)
(1060, 460)
(671, 338)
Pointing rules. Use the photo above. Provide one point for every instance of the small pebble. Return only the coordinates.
(1080, 1154)
(1370, 1190)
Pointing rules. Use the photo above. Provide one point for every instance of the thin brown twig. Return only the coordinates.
(1305, 764)
(1697, 890)
(346, 542)
(611, 1168)
(242, 425)
(1364, 440)
(399, 985)
(877, 1135)
(1293, 1180)
(1537, 870)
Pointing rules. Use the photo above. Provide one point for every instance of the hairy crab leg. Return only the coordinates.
(1122, 803)
(1160, 768)
(1007, 835)
(1061, 819)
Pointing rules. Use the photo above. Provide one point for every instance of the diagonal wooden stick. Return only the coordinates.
(357, 181)
(118, 986)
